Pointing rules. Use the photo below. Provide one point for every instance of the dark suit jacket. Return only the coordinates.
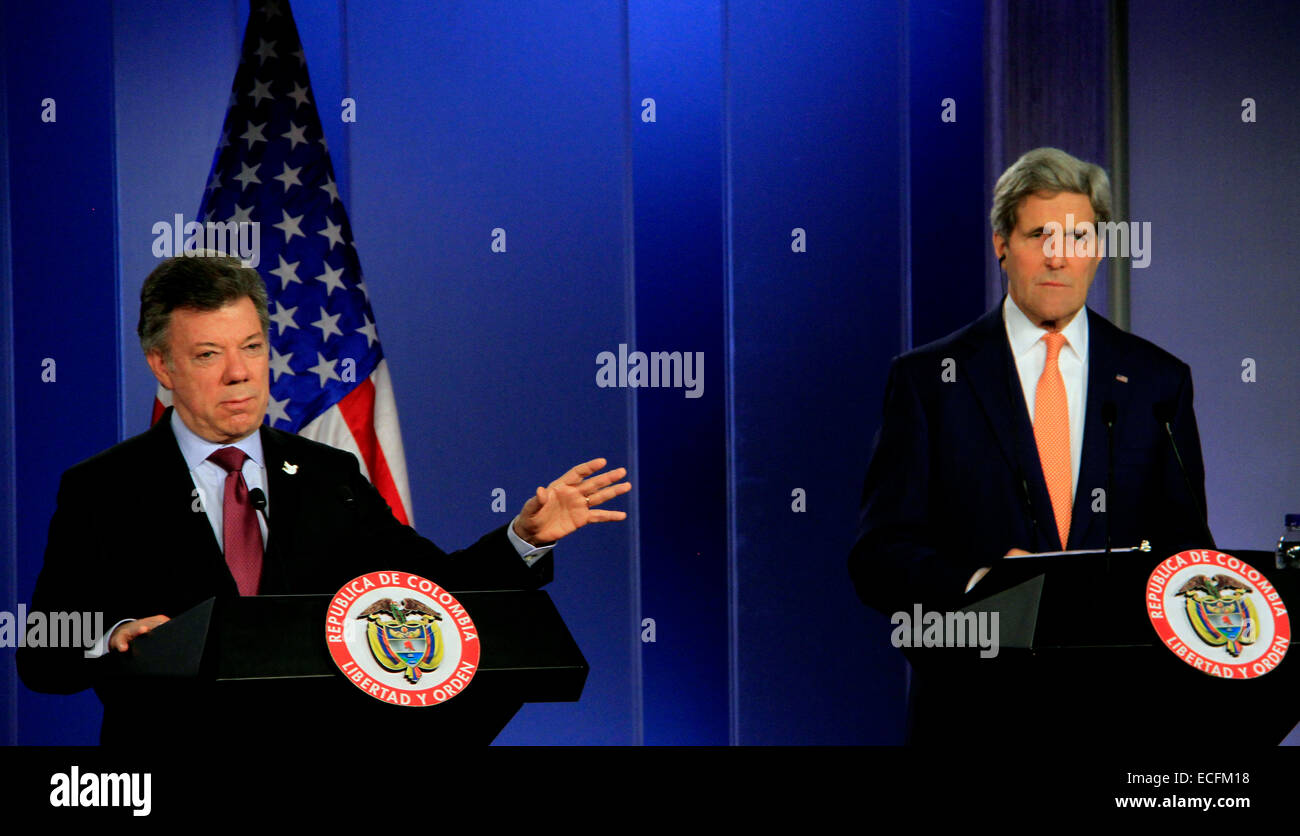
(955, 481)
(128, 539)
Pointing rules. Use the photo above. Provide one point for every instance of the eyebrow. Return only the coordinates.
(256, 336)
(1078, 227)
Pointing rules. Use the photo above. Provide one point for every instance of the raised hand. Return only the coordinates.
(569, 503)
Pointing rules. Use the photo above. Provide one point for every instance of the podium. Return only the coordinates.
(257, 671)
(1080, 664)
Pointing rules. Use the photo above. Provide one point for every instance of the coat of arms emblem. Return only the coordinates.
(1221, 611)
(404, 638)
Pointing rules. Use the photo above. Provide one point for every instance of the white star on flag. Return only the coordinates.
(242, 215)
(332, 190)
(265, 50)
(332, 232)
(295, 135)
(275, 410)
(287, 272)
(324, 369)
(261, 90)
(283, 317)
(247, 175)
(254, 134)
(328, 325)
(332, 279)
(289, 177)
(280, 364)
(299, 95)
(289, 225)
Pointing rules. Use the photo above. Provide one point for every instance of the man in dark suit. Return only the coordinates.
(163, 521)
(997, 439)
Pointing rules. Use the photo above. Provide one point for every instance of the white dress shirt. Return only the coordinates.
(210, 478)
(1030, 353)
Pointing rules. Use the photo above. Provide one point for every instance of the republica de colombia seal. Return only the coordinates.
(402, 638)
(1218, 614)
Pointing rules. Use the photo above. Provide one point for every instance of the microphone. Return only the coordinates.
(1165, 417)
(1108, 414)
(257, 499)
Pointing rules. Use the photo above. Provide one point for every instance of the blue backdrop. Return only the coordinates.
(770, 185)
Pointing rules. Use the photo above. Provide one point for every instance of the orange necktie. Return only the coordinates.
(1052, 433)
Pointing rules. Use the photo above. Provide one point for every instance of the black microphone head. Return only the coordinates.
(1108, 412)
(1164, 412)
(258, 499)
(345, 493)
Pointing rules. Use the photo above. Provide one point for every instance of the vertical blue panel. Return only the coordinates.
(949, 206)
(676, 59)
(8, 485)
(498, 115)
(814, 129)
(64, 286)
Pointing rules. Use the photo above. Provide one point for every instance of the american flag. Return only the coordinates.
(329, 381)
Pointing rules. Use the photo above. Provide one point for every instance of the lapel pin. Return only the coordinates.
(290, 468)
(1121, 378)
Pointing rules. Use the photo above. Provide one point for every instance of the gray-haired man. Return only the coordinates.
(994, 439)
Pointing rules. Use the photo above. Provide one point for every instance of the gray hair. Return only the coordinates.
(1049, 171)
(206, 281)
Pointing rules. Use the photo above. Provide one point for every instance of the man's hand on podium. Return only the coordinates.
(980, 573)
(128, 632)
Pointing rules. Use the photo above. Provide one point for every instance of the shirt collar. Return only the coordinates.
(196, 449)
(1023, 334)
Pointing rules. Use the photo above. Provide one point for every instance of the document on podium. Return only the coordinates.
(1144, 546)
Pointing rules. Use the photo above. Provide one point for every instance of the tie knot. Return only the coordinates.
(1054, 340)
(229, 459)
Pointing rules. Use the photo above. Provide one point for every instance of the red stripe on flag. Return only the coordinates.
(358, 410)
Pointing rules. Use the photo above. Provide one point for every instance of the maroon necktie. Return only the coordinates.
(242, 535)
